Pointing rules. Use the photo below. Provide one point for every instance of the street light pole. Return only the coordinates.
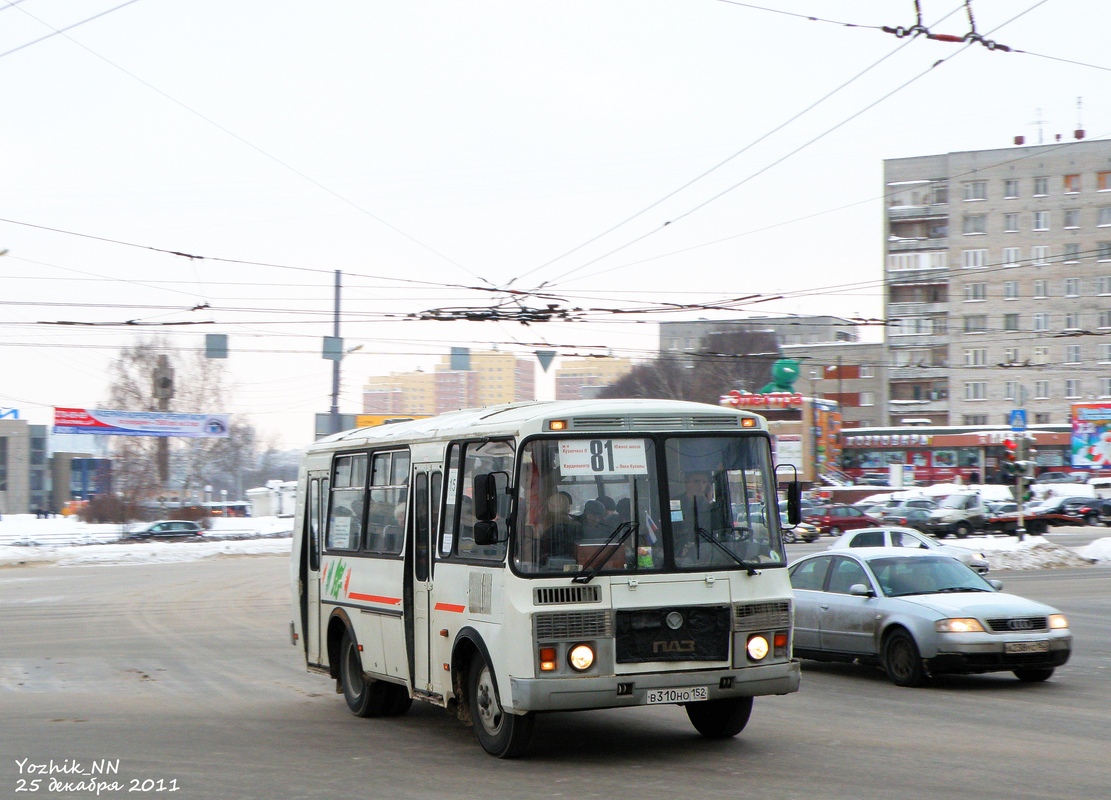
(334, 411)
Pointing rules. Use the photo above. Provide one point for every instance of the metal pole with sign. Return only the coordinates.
(1018, 427)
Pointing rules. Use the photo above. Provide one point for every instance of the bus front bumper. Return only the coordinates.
(618, 691)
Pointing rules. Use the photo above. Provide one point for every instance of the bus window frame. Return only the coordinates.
(326, 546)
(452, 521)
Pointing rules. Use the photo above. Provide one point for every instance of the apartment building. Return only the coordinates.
(581, 378)
(998, 282)
(677, 338)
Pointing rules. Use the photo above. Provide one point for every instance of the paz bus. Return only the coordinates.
(553, 556)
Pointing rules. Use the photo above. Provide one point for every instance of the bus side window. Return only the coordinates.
(345, 522)
(389, 491)
(313, 519)
(451, 503)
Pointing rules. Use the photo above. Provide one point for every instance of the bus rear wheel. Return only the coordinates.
(720, 719)
(500, 733)
(367, 698)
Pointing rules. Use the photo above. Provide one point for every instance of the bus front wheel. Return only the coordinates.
(500, 733)
(720, 719)
(367, 698)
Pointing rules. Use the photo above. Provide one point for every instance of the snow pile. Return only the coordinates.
(1037, 554)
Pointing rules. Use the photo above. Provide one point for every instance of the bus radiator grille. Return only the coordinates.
(558, 595)
(762, 616)
(558, 625)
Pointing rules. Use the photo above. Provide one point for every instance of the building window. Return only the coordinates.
(975, 323)
(1010, 223)
(1072, 287)
(975, 292)
(1041, 390)
(1105, 387)
(1105, 353)
(1041, 289)
(1010, 187)
(1072, 217)
(976, 190)
(1041, 187)
(1072, 354)
(1010, 322)
(1041, 418)
(975, 224)
(1041, 321)
(1072, 388)
(867, 371)
(867, 398)
(1010, 390)
(976, 390)
(1103, 181)
(1039, 254)
(1041, 220)
(1072, 321)
(1010, 290)
(1011, 256)
(1010, 355)
(974, 259)
(1105, 319)
(977, 357)
(1103, 251)
(1072, 252)
(1072, 184)
(1041, 355)
(974, 419)
(1104, 284)
(1104, 218)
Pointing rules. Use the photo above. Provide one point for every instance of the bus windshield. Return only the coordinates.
(634, 504)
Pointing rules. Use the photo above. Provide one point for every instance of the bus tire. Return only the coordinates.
(364, 698)
(500, 733)
(720, 719)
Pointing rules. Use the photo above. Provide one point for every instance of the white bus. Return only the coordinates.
(534, 557)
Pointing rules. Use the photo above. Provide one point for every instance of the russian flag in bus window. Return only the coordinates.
(653, 529)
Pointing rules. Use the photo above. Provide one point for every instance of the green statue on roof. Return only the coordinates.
(785, 372)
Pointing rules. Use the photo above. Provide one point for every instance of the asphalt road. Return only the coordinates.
(185, 674)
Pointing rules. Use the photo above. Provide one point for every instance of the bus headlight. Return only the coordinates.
(581, 657)
(757, 647)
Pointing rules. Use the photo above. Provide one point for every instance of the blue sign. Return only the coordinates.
(1018, 419)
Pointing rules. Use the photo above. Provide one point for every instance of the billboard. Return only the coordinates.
(141, 423)
(1091, 435)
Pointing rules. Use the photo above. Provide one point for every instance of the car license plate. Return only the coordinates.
(1027, 647)
(686, 694)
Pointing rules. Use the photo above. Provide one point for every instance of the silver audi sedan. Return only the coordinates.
(920, 613)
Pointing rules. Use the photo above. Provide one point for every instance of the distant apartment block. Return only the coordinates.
(998, 282)
(578, 379)
(463, 379)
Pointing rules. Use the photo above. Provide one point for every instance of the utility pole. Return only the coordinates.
(334, 411)
(163, 391)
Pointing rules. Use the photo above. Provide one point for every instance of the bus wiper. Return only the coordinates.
(620, 533)
(705, 534)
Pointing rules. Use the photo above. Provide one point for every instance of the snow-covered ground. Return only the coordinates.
(66, 541)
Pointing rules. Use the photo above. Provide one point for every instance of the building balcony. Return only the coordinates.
(918, 212)
(915, 309)
(917, 373)
(909, 408)
(916, 341)
(903, 245)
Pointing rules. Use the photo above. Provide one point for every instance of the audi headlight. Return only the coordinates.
(1058, 622)
(959, 625)
(757, 647)
(581, 657)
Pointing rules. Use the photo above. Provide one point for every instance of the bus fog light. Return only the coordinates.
(757, 647)
(581, 657)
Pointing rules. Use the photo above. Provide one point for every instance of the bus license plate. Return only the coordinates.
(1027, 647)
(686, 694)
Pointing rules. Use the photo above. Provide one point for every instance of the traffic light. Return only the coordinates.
(1009, 466)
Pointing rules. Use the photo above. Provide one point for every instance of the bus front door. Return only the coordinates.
(425, 512)
(315, 509)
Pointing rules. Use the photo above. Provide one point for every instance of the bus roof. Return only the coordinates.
(603, 415)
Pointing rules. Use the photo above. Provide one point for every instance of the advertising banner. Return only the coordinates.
(1091, 435)
(141, 423)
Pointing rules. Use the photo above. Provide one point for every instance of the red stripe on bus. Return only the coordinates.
(450, 607)
(373, 598)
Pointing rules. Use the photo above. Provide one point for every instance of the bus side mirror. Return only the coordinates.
(485, 533)
(794, 504)
(485, 499)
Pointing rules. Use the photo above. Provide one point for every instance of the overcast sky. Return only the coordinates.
(420, 147)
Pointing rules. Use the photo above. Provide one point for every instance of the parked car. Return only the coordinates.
(1059, 477)
(167, 529)
(804, 531)
(920, 613)
(958, 514)
(837, 518)
(917, 518)
(909, 538)
(1072, 510)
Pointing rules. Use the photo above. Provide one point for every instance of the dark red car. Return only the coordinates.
(837, 518)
